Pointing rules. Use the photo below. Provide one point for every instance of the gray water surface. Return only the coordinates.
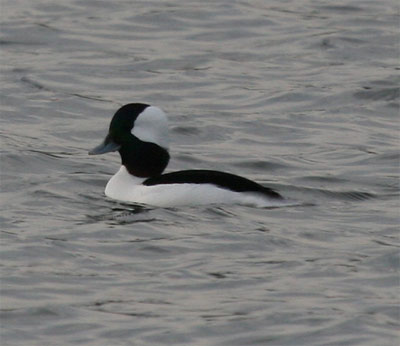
(301, 96)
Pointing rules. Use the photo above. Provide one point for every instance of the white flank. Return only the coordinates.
(125, 187)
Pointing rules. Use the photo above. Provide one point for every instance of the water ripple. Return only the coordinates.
(300, 96)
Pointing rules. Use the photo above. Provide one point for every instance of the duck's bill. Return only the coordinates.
(105, 147)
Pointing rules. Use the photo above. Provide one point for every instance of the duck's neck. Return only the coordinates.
(144, 159)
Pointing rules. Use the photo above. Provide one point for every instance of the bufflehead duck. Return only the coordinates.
(140, 133)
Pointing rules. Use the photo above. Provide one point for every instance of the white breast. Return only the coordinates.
(125, 187)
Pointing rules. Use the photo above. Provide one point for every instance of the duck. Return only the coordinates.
(139, 132)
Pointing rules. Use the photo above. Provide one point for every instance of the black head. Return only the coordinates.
(140, 133)
(124, 119)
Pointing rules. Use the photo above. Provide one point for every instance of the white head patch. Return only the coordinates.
(152, 126)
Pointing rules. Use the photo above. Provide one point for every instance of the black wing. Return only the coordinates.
(221, 179)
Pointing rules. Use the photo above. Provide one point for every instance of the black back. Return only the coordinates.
(220, 179)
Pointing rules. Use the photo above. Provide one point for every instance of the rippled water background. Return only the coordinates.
(301, 95)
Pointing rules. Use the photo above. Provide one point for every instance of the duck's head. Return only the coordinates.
(140, 133)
